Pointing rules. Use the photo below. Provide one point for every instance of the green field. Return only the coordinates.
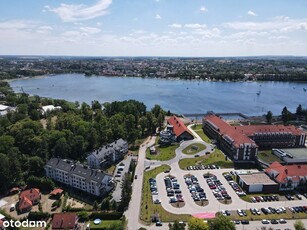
(104, 224)
(217, 158)
(163, 153)
(198, 129)
(148, 208)
(194, 148)
(268, 156)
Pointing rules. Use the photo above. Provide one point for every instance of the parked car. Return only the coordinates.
(158, 223)
(265, 221)
(282, 221)
(274, 221)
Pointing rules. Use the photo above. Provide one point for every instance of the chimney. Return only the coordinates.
(286, 171)
(31, 190)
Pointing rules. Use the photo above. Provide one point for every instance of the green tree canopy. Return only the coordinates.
(221, 222)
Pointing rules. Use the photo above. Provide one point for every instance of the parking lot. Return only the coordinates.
(213, 204)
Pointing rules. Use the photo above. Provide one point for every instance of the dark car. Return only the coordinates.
(244, 222)
(274, 221)
(158, 223)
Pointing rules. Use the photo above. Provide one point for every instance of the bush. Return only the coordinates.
(36, 216)
(106, 215)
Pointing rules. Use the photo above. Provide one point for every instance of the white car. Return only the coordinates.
(240, 213)
(282, 221)
(264, 221)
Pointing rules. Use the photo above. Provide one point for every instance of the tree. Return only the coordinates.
(285, 115)
(6, 142)
(299, 110)
(299, 225)
(269, 116)
(197, 224)
(95, 205)
(35, 166)
(221, 223)
(176, 226)
(4, 173)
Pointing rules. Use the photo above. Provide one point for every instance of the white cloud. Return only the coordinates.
(203, 9)
(251, 13)
(278, 24)
(195, 26)
(81, 12)
(175, 25)
(90, 30)
(157, 16)
(17, 24)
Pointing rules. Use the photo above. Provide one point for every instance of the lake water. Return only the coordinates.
(179, 96)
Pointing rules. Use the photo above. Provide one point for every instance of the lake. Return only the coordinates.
(179, 96)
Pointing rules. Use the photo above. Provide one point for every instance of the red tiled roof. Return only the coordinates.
(250, 130)
(179, 126)
(32, 194)
(56, 191)
(64, 221)
(230, 131)
(287, 171)
(24, 203)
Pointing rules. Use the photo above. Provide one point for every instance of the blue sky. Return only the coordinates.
(153, 27)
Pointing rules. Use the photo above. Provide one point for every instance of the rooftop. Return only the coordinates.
(284, 172)
(64, 221)
(257, 178)
(238, 138)
(250, 130)
(102, 151)
(178, 126)
(77, 169)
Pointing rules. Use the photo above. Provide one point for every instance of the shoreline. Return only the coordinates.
(157, 78)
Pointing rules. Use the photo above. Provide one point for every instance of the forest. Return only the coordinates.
(28, 138)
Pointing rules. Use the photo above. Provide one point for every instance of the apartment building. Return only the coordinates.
(235, 144)
(108, 154)
(242, 142)
(79, 176)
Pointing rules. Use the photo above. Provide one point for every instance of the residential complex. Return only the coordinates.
(237, 145)
(108, 154)
(242, 142)
(79, 176)
(289, 177)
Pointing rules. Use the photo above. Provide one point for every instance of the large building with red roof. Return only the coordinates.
(63, 221)
(238, 146)
(179, 129)
(27, 199)
(289, 177)
(242, 142)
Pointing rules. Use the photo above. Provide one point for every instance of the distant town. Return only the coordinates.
(224, 69)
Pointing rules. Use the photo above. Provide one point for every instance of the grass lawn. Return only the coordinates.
(217, 158)
(194, 148)
(163, 153)
(199, 130)
(148, 208)
(111, 169)
(268, 156)
(104, 224)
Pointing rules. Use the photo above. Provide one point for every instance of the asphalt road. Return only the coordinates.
(133, 212)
